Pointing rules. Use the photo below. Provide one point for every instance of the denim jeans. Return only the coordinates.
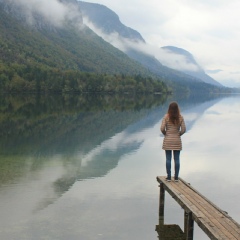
(176, 155)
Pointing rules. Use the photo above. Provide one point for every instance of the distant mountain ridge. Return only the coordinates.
(105, 19)
(199, 73)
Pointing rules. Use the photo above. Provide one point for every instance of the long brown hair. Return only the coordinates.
(174, 113)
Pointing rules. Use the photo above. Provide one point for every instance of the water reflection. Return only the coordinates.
(170, 232)
(55, 124)
(51, 145)
(52, 142)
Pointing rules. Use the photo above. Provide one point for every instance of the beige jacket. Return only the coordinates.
(172, 133)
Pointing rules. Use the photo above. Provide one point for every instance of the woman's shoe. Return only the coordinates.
(168, 179)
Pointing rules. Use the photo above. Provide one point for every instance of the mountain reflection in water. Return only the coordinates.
(49, 143)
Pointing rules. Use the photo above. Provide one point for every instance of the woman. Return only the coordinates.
(172, 127)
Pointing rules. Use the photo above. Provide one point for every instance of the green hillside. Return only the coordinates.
(61, 59)
(45, 58)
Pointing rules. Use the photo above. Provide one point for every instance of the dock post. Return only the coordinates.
(161, 204)
(185, 221)
(188, 225)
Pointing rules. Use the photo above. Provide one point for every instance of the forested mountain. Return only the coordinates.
(43, 55)
(64, 48)
(50, 49)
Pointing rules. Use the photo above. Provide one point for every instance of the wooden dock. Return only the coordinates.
(216, 223)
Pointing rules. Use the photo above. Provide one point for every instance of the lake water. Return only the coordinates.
(84, 168)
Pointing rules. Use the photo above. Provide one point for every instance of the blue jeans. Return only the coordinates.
(176, 155)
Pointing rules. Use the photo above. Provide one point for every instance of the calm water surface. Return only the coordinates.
(85, 168)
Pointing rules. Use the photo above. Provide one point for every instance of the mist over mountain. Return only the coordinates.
(44, 14)
(52, 45)
(48, 51)
(105, 18)
(181, 55)
(167, 62)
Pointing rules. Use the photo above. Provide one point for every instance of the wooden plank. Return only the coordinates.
(215, 216)
(216, 223)
(187, 205)
(212, 212)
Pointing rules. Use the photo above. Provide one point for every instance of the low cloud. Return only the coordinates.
(176, 61)
(227, 77)
(53, 11)
(166, 58)
(235, 72)
(214, 71)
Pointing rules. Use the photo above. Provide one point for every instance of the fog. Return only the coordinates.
(165, 57)
(52, 11)
(58, 13)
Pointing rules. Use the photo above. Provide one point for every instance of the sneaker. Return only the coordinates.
(176, 179)
(168, 179)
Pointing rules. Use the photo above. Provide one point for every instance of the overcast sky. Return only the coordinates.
(209, 29)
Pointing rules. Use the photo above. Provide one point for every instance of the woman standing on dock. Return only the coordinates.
(173, 127)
